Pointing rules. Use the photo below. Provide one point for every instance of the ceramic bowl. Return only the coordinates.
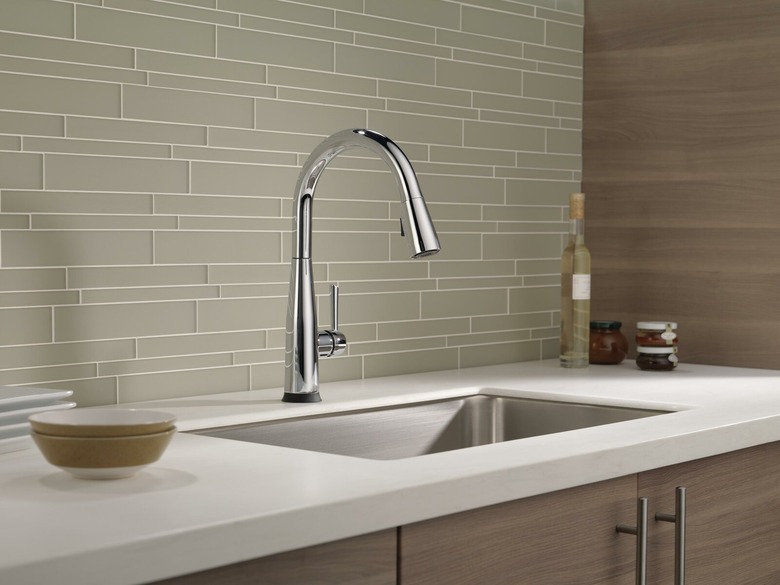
(97, 422)
(103, 457)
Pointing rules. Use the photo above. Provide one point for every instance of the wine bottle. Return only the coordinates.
(575, 289)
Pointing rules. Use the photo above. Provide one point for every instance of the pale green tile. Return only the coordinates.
(184, 247)
(539, 267)
(567, 36)
(340, 368)
(217, 86)
(37, 47)
(506, 246)
(350, 184)
(32, 124)
(268, 376)
(324, 81)
(375, 308)
(575, 6)
(515, 104)
(228, 291)
(215, 178)
(137, 294)
(216, 206)
(544, 280)
(37, 298)
(508, 118)
(295, 29)
(500, 353)
(510, 322)
(274, 49)
(46, 374)
(554, 55)
(421, 129)
(48, 354)
(261, 140)
(175, 105)
(91, 322)
(281, 10)
(536, 174)
(525, 7)
(432, 109)
(74, 248)
(135, 131)
(23, 326)
(241, 314)
(550, 348)
(424, 93)
(232, 155)
(477, 77)
(475, 268)
(231, 224)
(394, 28)
(527, 227)
(564, 14)
(10, 142)
(410, 362)
(540, 192)
(378, 286)
(423, 328)
(513, 63)
(475, 42)
(521, 213)
(436, 13)
(260, 356)
(352, 209)
(402, 46)
(13, 279)
(454, 211)
(386, 347)
(492, 337)
(99, 147)
(531, 300)
(132, 276)
(507, 136)
(59, 69)
(377, 271)
(384, 64)
(564, 141)
(552, 87)
(264, 273)
(87, 392)
(150, 365)
(571, 124)
(200, 343)
(533, 160)
(157, 386)
(95, 173)
(330, 98)
(39, 17)
(14, 222)
(481, 282)
(121, 27)
(440, 304)
(308, 118)
(453, 227)
(172, 10)
(200, 66)
(549, 333)
(503, 25)
(21, 170)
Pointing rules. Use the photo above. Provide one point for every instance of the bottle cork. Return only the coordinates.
(577, 206)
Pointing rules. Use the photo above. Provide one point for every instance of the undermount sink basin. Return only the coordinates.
(422, 428)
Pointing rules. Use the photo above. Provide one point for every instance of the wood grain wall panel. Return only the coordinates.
(681, 164)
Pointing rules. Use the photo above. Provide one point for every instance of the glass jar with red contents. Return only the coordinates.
(656, 334)
(608, 345)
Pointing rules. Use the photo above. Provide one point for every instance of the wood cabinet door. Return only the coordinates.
(363, 560)
(563, 538)
(733, 518)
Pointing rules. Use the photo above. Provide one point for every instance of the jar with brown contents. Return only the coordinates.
(659, 359)
(656, 334)
(608, 345)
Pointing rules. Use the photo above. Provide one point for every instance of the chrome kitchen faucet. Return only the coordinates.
(304, 343)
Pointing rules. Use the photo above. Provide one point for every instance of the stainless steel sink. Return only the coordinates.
(416, 429)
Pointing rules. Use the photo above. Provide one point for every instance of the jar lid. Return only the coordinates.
(611, 325)
(657, 349)
(660, 325)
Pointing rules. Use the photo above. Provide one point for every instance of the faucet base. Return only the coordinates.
(301, 397)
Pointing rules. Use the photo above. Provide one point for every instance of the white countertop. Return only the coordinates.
(210, 502)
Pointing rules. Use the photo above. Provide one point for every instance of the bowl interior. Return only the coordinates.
(96, 422)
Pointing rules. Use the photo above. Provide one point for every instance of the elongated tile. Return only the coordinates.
(135, 131)
(36, 279)
(410, 362)
(500, 353)
(463, 303)
(132, 276)
(39, 17)
(185, 247)
(59, 96)
(63, 49)
(274, 49)
(241, 314)
(25, 326)
(21, 170)
(200, 343)
(47, 354)
(32, 124)
(97, 173)
(155, 386)
(74, 248)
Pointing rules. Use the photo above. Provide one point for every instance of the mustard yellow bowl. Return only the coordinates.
(101, 422)
(103, 457)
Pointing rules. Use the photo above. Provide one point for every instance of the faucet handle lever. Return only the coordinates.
(332, 341)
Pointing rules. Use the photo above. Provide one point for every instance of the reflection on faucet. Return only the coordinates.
(304, 344)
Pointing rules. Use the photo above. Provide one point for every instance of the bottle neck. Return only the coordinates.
(577, 230)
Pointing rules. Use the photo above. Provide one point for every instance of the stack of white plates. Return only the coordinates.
(19, 402)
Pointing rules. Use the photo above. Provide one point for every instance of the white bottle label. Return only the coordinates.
(580, 287)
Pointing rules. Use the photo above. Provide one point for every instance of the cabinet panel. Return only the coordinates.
(363, 560)
(565, 537)
(733, 524)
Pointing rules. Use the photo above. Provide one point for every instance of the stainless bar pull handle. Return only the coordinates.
(334, 305)
(640, 531)
(678, 518)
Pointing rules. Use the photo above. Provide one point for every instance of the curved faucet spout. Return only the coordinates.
(304, 343)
